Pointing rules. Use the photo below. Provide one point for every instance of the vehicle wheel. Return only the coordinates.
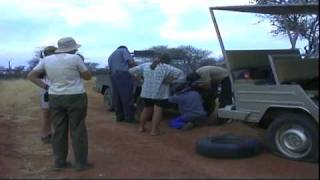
(294, 136)
(108, 103)
(228, 146)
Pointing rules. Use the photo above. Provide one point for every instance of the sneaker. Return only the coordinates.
(83, 167)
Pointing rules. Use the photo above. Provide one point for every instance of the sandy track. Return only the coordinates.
(119, 151)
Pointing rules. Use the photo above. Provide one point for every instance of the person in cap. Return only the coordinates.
(122, 84)
(206, 80)
(157, 77)
(68, 101)
(46, 130)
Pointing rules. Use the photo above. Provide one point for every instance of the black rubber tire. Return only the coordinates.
(228, 146)
(107, 100)
(298, 121)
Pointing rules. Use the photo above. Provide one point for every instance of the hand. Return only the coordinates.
(169, 79)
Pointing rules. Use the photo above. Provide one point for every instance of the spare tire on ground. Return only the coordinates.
(228, 146)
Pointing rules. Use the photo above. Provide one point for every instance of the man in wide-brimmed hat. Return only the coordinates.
(68, 101)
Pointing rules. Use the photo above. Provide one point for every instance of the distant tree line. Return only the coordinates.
(186, 58)
(16, 72)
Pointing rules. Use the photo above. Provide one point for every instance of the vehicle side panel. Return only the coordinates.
(257, 99)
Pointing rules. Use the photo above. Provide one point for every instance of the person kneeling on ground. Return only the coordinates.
(190, 106)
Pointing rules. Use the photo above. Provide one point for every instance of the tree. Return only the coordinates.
(295, 26)
(32, 63)
(187, 58)
(18, 71)
(92, 66)
(194, 56)
(35, 59)
(3, 71)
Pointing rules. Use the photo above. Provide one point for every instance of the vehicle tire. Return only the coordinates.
(228, 146)
(294, 136)
(108, 102)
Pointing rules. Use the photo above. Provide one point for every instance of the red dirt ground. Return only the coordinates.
(117, 150)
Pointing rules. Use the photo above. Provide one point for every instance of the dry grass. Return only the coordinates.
(18, 97)
(21, 97)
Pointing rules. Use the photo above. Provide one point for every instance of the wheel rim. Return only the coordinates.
(294, 141)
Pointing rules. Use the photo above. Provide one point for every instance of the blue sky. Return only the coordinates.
(102, 25)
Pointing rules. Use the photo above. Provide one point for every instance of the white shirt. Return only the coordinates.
(63, 72)
(153, 86)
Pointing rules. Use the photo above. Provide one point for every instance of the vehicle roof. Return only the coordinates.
(273, 9)
(143, 53)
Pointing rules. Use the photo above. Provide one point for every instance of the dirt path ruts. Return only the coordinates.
(118, 150)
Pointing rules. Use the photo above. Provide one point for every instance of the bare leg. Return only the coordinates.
(156, 118)
(47, 123)
(145, 115)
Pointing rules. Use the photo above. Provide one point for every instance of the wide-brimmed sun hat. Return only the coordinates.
(67, 44)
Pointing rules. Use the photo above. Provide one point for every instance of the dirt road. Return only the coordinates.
(119, 151)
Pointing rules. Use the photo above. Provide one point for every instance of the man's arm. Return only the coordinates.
(132, 63)
(127, 57)
(174, 99)
(83, 70)
(33, 76)
(86, 75)
(136, 72)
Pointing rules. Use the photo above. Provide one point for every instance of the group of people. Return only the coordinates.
(61, 70)
(195, 96)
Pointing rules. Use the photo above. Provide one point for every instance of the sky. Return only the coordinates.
(100, 26)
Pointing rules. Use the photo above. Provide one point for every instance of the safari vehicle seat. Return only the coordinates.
(254, 61)
(297, 71)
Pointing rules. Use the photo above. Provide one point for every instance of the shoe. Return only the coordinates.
(119, 119)
(83, 167)
(60, 166)
(188, 126)
(47, 139)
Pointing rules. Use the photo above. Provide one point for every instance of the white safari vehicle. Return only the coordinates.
(282, 96)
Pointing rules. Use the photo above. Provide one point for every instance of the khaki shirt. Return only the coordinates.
(211, 74)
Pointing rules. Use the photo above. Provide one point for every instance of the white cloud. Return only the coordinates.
(171, 31)
(173, 10)
(114, 13)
